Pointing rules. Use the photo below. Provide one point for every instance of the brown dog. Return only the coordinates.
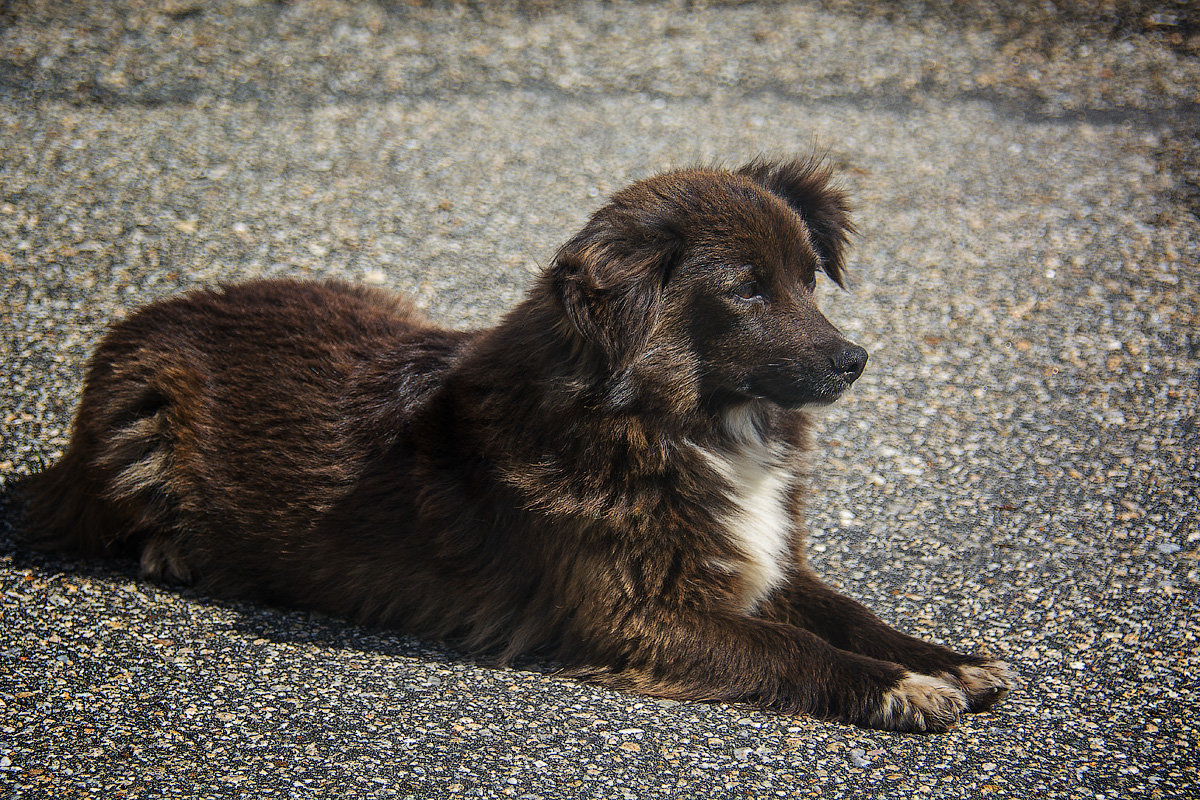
(611, 476)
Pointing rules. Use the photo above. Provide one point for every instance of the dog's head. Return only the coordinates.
(699, 283)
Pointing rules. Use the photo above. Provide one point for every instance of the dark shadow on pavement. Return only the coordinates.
(277, 625)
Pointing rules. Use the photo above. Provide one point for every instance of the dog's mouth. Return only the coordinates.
(795, 392)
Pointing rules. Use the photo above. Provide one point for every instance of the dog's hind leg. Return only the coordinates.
(112, 492)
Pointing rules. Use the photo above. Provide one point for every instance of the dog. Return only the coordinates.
(611, 477)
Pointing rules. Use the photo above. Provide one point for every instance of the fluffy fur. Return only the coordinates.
(611, 476)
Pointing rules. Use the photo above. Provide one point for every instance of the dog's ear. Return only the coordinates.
(806, 185)
(610, 278)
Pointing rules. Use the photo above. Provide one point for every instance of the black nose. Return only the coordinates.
(850, 362)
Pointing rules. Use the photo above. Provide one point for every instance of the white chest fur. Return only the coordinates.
(759, 523)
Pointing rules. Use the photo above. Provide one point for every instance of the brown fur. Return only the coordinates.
(610, 476)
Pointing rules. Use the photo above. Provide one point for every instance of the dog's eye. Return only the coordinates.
(748, 290)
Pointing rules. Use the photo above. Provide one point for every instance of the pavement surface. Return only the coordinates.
(1017, 472)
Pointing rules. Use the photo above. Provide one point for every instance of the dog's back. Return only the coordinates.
(252, 378)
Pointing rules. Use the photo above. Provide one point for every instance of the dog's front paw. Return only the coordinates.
(984, 684)
(921, 704)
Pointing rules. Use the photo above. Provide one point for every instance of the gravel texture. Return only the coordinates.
(1017, 471)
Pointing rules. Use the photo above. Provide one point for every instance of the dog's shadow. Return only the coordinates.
(251, 621)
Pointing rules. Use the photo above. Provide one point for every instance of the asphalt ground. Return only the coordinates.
(1017, 472)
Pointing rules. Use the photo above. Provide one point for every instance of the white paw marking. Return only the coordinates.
(985, 683)
(920, 703)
